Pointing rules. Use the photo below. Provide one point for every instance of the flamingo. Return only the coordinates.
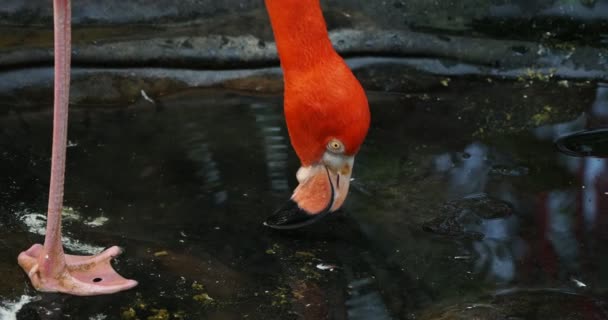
(48, 267)
(325, 108)
(327, 117)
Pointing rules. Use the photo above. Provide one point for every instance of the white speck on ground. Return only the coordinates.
(143, 94)
(97, 222)
(324, 266)
(578, 283)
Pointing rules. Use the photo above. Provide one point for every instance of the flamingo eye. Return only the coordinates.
(335, 146)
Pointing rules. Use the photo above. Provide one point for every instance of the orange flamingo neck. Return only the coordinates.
(300, 33)
(323, 100)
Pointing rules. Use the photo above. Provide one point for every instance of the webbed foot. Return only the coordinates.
(77, 275)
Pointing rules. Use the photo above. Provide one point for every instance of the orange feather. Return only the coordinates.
(323, 99)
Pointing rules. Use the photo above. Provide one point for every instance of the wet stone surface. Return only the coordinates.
(493, 38)
(183, 181)
(441, 15)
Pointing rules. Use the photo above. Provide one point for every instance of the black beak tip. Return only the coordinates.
(290, 216)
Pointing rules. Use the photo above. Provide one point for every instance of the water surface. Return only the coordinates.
(184, 183)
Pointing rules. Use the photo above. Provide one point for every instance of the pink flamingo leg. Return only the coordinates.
(49, 268)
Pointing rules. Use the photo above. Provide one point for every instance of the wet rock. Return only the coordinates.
(438, 15)
(236, 34)
(522, 304)
(193, 48)
(122, 48)
(490, 107)
(121, 87)
(122, 12)
(461, 218)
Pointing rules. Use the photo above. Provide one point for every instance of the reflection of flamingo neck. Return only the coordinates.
(547, 257)
(300, 33)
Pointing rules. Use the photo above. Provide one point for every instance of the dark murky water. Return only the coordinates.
(184, 184)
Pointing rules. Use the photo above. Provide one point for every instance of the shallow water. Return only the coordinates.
(183, 183)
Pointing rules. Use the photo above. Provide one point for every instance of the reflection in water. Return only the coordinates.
(600, 105)
(365, 301)
(564, 219)
(249, 270)
(468, 171)
(569, 219)
(270, 122)
(198, 151)
(560, 215)
(593, 172)
(559, 230)
(498, 250)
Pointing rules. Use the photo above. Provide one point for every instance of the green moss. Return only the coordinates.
(531, 74)
(129, 314)
(542, 117)
(280, 296)
(197, 286)
(274, 249)
(159, 314)
(203, 298)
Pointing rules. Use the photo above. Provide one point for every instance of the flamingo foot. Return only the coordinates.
(77, 275)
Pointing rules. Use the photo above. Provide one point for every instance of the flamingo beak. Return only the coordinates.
(323, 188)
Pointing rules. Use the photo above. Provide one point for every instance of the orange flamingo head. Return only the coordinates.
(326, 111)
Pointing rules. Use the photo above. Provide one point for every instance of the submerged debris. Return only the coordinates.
(458, 218)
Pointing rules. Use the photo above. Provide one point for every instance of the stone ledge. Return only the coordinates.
(238, 52)
(25, 88)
